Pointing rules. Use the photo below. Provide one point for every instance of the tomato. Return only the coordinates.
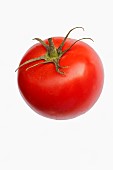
(60, 78)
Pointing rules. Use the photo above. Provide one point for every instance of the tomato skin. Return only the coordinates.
(62, 96)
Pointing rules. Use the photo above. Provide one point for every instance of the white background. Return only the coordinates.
(32, 142)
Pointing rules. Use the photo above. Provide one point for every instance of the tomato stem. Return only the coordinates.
(53, 54)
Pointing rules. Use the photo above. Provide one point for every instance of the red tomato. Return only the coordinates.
(61, 93)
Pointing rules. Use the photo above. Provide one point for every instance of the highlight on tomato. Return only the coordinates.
(60, 77)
